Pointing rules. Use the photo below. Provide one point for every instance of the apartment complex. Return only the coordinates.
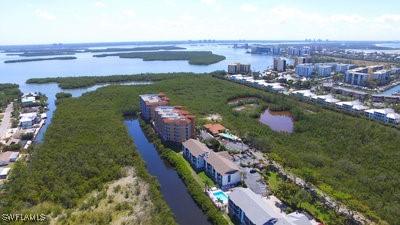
(173, 124)
(302, 60)
(279, 64)
(361, 76)
(238, 68)
(304, 70)
(149, 102)
(248, 208)
(321, 69)
(217, 165)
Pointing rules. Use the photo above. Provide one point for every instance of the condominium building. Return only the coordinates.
(224, 172)
(217, 165)
(343, 68)
(302, 60)
(238, 68)
(305, 70)
(173, 124)
(386, 115)
(279, 64)
(149, 102)
(324, 70)
(361, 76)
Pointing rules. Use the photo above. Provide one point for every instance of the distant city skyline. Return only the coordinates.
(56, 21)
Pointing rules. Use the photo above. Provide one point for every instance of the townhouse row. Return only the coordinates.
(386, 115)
(261, 84)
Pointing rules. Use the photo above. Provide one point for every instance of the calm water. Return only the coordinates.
(85, 64)
(278, 121)
(173, 189)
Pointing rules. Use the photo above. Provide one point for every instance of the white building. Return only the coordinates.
(246, 207)
(222, 170)
(386, 115)
(352, 106)
(4, 172)
(27, 120)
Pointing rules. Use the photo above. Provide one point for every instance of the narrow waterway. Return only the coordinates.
(172, 187)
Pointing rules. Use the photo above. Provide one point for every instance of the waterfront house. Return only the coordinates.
(27, 120)
(148, 102)
(28, 101)
(173, 124)
(195, 152)
(222, 170)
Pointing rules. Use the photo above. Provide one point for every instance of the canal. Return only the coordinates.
(172, 187)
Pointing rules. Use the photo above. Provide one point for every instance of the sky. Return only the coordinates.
(76, 21)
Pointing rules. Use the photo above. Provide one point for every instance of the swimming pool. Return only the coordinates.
(221, 196)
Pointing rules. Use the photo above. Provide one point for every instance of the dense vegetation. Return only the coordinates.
(86, 146)
(353, 159)
(194, 57)
(8, 92)
(40, 59)
(151, 48)
(87, 81)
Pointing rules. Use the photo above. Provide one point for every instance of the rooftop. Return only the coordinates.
(195, 147)
(154, 98)
(214, 128)
(220, 163)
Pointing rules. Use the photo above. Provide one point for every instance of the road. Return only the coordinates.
(6, 121)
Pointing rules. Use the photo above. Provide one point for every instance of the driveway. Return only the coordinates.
(6, 121)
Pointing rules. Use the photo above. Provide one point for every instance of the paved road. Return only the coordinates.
(6, 121)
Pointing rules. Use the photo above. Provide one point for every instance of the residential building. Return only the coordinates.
(214, 128)
(27, 120)
(149, 102)
(302, 60)
(222, 169)
(8, 157)
(386, 115)
(343, 68)
(352, 106)
(326, 100)
(362, 75)
(28, 101)
(4, 172)
(305, 70)
(324, 69)
(304, 94)
(279, 64)
(173, 124)
(238, 68)
(195, 152)
(350, 92)
(248, 208)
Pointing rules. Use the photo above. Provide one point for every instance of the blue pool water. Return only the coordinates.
(221, 196)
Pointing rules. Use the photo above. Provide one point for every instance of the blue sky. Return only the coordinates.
(51, 21)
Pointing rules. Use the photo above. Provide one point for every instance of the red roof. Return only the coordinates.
(215, 128)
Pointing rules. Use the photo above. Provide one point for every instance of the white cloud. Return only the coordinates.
(208, 2)
(44, 14)
(100, 4)
(249, 8)
(128, 12)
